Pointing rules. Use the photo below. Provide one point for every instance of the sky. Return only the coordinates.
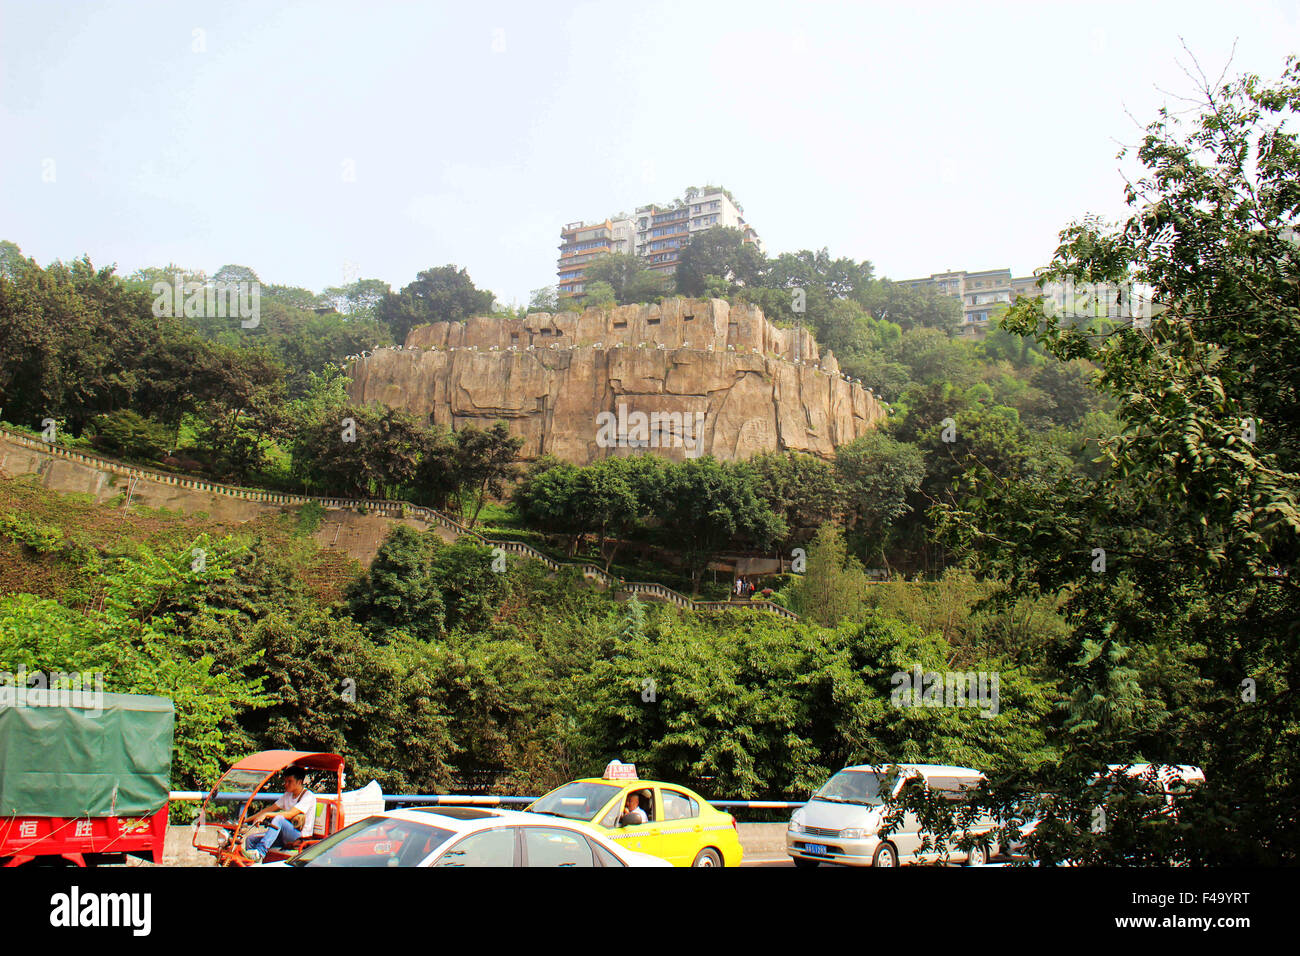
(321, 142)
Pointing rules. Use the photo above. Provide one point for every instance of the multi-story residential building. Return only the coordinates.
(659, 234)
(981, 293)
(582, 242)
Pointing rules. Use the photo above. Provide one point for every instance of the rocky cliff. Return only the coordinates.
(683, 378)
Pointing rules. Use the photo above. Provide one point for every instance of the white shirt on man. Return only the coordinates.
(306, 802)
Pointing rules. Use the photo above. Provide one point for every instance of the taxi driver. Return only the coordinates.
(632, 812)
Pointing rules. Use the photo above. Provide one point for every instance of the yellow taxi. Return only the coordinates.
(663, 819)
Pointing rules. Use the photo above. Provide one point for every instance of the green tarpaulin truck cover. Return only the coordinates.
(110, 760)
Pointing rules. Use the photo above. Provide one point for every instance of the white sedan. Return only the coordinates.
(467, 836)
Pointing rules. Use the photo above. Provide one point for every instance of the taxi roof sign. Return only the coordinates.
(617, 770)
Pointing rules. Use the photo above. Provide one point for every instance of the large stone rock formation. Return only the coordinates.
(550, 378)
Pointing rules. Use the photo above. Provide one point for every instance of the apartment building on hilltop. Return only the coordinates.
(981, 293)
(657, 234)
(581, 242)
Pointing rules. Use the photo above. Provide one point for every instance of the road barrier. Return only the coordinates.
(482, 800)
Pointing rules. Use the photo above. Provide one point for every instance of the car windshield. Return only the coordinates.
(375, 841)
(576, 801)
(853, 786)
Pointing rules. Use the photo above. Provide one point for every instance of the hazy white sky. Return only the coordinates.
(308, 140)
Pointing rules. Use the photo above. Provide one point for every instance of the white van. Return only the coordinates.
(1169, 780)
(841, 822)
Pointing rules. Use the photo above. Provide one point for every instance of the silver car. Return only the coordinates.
(841, 823)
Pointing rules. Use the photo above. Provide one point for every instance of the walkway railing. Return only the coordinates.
(398, 510)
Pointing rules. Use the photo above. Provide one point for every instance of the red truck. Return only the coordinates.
(84, 785)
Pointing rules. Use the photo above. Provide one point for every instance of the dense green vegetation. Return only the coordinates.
(527, 677)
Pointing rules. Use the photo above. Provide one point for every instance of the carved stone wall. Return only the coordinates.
(550, 378)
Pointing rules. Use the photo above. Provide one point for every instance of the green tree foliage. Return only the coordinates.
(598, 295)
(880, 477)
(833, 587)
(358, 299)
(721, 252)
(12, 260)
(441, 294)
(709, 505)
(804, 491)
(485, 465)
(128, 433)
(74, 343)
(1184, 636)
(545, 299)
(759, 707)
(129, 636)
(400, 590)
(627, 277)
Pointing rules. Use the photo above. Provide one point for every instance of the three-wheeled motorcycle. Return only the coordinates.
(223, 824)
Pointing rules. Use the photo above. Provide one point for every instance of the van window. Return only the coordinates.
(953, 787)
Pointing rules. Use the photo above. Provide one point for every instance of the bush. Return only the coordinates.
(40, 538)
(130, 435)
(310, 516)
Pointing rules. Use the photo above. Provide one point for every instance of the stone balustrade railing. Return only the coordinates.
(397, 509)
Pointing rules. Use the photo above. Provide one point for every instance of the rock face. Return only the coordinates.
(626, 379)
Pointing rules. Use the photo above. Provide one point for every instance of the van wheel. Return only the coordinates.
(979, 856)
(804, 864)
(707, 857)
(885, 855)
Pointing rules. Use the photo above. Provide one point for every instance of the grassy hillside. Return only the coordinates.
(45, 537)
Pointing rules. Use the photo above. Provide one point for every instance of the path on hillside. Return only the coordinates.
(392, 510)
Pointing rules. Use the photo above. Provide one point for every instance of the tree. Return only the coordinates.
(360, 451)
(833, 587)
(400, 590)
(544, 299)
(802, 489)
(833, 278)
(442, 294)
(908, 308)
(547, 496)
(12, 261)
(359, 299)
(470, 588)
(485, 460)
(130, 434)
(1184, 636)
(711, 505)
(722, 252)
(235, 274)
(597, 295)
(765, 708)
(606, 502)
(628, 277)
(128, 636)
(879, 476)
